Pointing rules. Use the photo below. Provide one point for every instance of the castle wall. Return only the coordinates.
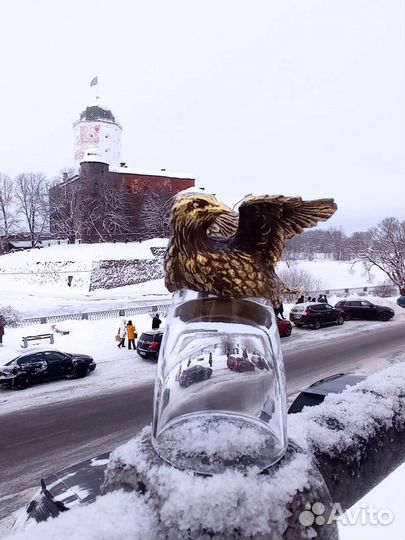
(136, 188)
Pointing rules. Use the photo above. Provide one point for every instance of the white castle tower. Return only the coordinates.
(97, 132)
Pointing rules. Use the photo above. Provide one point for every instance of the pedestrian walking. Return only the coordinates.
(301, 299)
(280, 311)
(131, 335)
(325, 300)
(320, 298)
(2, 325)
(122, 332)
(156, 322)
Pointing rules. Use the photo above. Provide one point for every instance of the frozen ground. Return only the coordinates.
(121, 368)
(44, 300)
(35, 281)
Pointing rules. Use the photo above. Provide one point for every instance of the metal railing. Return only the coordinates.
(162, 308)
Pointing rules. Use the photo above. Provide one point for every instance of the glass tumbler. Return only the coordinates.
(220, 395)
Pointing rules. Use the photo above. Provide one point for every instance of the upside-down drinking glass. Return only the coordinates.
(220, 396)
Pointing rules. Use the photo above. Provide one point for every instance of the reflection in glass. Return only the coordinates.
(221, 365)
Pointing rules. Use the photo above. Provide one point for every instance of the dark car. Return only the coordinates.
(239, 363)
(284, 327)
(315, 394)
(363, 309)
(42, 366)
(194, 374)
(316, 314)
(148, 345)
(77, 484)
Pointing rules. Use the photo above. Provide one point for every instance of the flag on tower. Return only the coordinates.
(94, 81)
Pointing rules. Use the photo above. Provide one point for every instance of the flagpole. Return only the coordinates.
(95, 92)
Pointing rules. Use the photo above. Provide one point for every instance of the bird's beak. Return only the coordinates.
(222, 209)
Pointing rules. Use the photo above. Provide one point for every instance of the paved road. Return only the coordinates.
(35, 443)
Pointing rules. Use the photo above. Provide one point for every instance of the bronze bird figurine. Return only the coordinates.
(213, 250)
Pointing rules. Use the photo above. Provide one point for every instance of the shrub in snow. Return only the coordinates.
(385, 290)
(11, 315)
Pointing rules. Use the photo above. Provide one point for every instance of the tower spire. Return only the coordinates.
(96, 132)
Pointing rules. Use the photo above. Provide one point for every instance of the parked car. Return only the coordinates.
(44, 365)
(239, 363)
(316, 314)
(194, 374)
(258, 361)
(401, 300)
(284, 327)
(315, 394)
(363, 309)
(81, 483)
(77, 484)
(148, 345)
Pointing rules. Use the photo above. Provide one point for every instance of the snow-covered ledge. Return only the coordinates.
(356, 437)
(229, 505)
(352, 440)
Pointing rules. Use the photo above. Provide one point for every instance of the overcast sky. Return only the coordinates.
(299, 97)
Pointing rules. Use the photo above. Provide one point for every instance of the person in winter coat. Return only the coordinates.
(400, 299)
(279, 312)
(2, 325)
(320, 298)
(301, 299)
(122, 332)
(131, 334)
(156, 322)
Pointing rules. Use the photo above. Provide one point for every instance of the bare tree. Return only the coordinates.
(64, 174)
(383, 247)
(31, 191)
(155, 216)
(298, 279)
(67, 209)
(106, 214)
(7, 214)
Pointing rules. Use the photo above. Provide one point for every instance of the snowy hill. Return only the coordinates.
(51, 265)
(41, 275)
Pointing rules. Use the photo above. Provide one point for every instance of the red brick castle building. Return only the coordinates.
(104, 200)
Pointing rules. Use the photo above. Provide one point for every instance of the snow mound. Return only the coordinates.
(116, 516)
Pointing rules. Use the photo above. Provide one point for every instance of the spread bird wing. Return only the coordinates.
(225, 225)
(266, 222)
